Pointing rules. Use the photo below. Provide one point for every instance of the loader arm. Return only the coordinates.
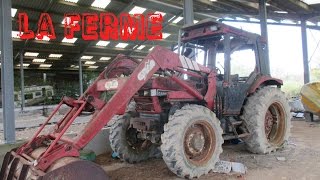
(57, 146)
(159, 58)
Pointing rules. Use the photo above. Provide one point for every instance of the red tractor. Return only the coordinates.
(167, 104)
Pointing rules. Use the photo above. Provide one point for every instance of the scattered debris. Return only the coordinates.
(227, 167)
(298, 115)
(281, 158)
(222, 167)
(296, 104)
(292, 143)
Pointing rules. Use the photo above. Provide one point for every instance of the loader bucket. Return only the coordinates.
(78, 170)
(17, 167)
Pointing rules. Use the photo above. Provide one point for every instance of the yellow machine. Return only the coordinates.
(310, 98)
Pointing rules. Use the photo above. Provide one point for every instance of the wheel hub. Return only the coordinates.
(195, 141)
(199, 142)
(269, 121)
(275, 123)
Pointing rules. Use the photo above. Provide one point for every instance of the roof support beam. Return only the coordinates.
(188, 13)
(80, 77)
(300, 4)
(272, 23)
(22, 81)
(7, 87)
(264, 33)
(306, 73)
(164, 4)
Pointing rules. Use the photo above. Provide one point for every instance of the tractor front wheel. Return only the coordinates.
(268, 119)
(124, 141)
(192, 141)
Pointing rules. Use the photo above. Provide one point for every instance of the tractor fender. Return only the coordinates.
(264, 81)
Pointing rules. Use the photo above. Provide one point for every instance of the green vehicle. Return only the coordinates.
(34, 95)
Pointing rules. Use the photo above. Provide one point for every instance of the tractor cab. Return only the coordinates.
(237, 56)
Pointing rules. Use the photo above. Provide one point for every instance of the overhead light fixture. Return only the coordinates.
(71, 41)
(310, 2)
(171, 18)
(254, 20)
(281, 12)
(93, 67)
(64, 20)
(86, 57)
(13, 12)
(159, 12)
(89, 62)
(195, 21)
(271, 21)
(287, 21)
(228, 18)
(101, 3)
(213, 0)
(122, 45)
(177, 20)
(105, 58)
(68, 21)
(55, 55)
(151, 49)
(134, 47)
(15, 34)
(73, 1)
(31, 54)
(45, 65)
(38, 60)
(310, 23)
(137, 10)
(240, 19)
(23, 65)
(44, 38)
(141, 47)
(74, 66)
(165, 35)
(103, 43)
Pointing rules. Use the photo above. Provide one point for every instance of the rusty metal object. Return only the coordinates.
(268, 123)
(199, 142)
(16, 167)
(77, 170)
(275, 123)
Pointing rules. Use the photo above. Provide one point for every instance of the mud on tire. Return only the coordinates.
(183, 130)
(120, 143)
(268, 119)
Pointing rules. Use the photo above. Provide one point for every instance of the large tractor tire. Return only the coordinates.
(268, 119)
(124, 141)
(192, 141)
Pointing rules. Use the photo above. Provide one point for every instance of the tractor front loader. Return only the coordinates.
(166, 105)
(54, 155)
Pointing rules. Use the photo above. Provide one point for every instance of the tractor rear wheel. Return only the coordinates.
(124, 141)
(268, 119)
(192, 141)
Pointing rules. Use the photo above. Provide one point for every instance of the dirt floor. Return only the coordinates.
(301, 160)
